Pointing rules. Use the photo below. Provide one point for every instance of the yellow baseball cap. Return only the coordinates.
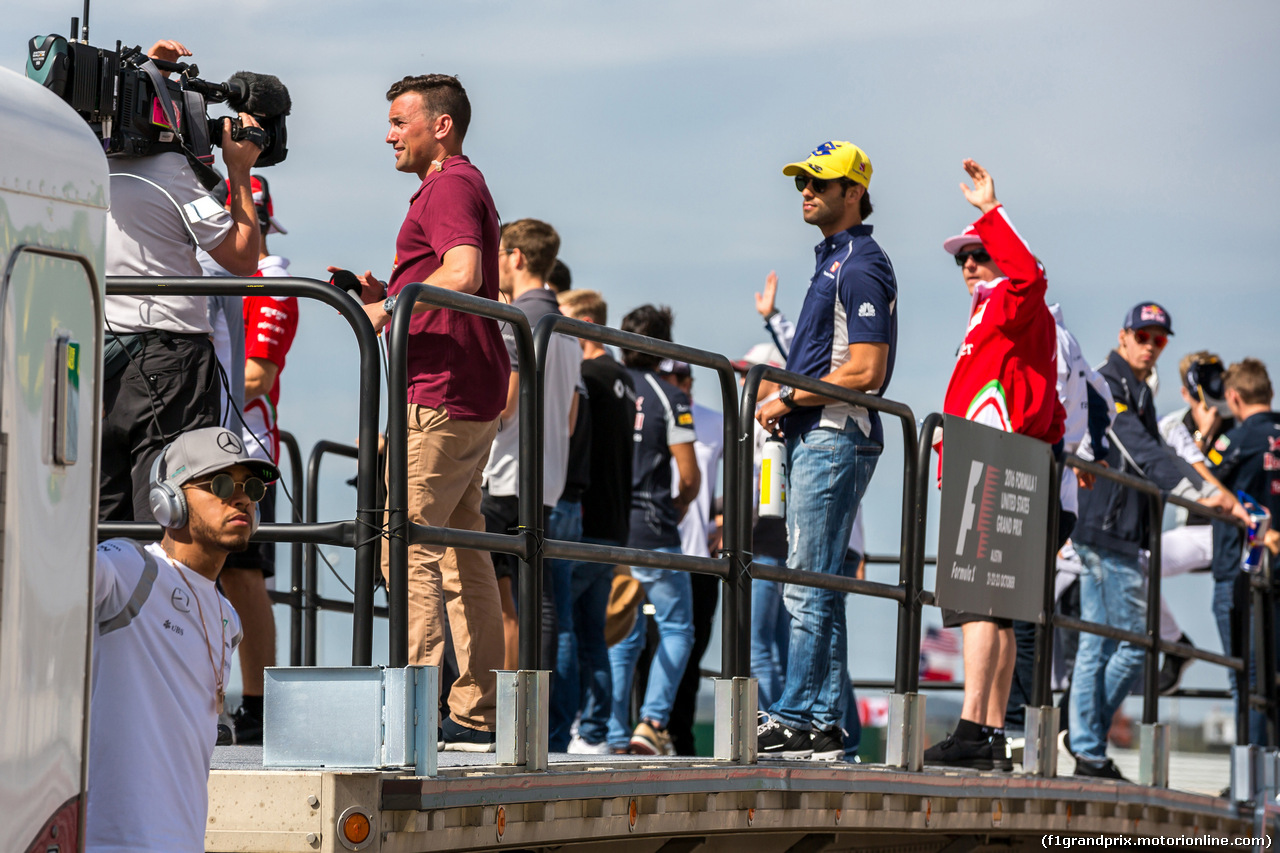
(833, 160)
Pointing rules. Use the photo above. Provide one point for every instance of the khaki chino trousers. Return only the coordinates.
(446, 461)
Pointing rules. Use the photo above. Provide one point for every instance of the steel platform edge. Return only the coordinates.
(686, 805)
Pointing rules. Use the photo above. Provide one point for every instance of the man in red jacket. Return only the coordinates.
(1005, 377)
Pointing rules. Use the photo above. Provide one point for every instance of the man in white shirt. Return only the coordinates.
(164, 647)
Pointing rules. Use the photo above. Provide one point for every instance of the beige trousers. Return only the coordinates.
(446, 460)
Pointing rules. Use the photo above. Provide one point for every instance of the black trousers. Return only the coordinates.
(169, 386)
(706, 595)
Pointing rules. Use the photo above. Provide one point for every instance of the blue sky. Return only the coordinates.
(1135, 146)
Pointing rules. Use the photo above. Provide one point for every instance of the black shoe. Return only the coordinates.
(975, 754)
(248, 727)
(225, 736)
(1171, 669)
(1001, 754)
(828, 746)
(776, 742)
(455, 737)
(1104, 769)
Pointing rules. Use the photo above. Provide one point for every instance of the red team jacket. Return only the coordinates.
(1006, 373)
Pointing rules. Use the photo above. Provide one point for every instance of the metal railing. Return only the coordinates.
(733, 564)
(353, 534)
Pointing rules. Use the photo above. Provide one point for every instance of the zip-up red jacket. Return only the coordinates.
(1007, 372)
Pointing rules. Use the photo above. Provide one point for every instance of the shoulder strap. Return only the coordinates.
(150, 571)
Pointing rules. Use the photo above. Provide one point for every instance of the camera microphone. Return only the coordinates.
(258, 94)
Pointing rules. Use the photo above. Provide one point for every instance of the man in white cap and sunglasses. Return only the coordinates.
(164, 647)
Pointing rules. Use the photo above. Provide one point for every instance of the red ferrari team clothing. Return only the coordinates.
(270, 324)
(457, 361)
(1006, 373)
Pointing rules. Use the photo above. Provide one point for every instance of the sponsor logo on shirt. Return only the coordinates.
(173, 626)
(1222, 443)
(181, 601)
(835, 265)
(866, 309)
(684, 419)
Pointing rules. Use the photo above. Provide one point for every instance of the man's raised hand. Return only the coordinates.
(764, 301)
(983, 193)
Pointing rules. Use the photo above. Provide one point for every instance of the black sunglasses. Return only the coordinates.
(979, 256)
(224, 486)
(820, 185)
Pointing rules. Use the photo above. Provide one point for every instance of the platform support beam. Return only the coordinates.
(904, 744)
(737, 700)
(524, 698)
(1040, 748)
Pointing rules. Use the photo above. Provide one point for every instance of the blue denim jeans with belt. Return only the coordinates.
(827, 473)
(1112, 592)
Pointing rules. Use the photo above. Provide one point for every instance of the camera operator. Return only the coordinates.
(160, 372)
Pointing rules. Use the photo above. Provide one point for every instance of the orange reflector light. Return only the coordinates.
(356, 828)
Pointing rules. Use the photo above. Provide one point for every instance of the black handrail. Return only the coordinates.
(529, 579)
(312, 602)
(735, 639)
(908, 664)
(367, 514)
(294, 597)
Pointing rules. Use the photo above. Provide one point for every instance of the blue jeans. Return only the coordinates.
(1112, 592)
(1223, 603)
(565, 524)
(827, 473)
(671, 595)
(583, 681)
(770, 633)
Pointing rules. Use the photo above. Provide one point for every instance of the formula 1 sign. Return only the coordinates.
(993, 530)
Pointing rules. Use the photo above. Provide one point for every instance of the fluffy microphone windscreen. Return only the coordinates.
(267, 95)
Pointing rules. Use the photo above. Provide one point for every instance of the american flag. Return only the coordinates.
(939, 653)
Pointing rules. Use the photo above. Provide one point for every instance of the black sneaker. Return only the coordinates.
(1001, 754)
(777, 742)
(226, 737)
(455, 737)
(248, 727)
(1104, 769)
(1171, 669)
(976, 754)
(828, 745)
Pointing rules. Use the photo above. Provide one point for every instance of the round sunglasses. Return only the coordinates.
(979, 256)
(224, 486)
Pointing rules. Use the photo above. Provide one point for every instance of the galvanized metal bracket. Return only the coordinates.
(737, 701)
(1248, 772)
(524, 698)
(904, 738)
(1040, 747)
(1153, 755)
(357, 717)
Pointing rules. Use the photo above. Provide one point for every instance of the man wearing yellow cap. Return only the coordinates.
(847, 335)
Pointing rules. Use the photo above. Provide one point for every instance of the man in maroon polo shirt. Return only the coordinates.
(458, 372)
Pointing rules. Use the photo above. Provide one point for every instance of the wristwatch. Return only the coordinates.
(389, 305)
(787, 395)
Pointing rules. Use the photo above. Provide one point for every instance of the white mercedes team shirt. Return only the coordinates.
(152, 718)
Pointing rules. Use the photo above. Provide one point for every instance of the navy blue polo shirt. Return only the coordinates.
(852, 298)
(1245, 459)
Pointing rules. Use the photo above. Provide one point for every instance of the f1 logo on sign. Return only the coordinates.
(993, 531)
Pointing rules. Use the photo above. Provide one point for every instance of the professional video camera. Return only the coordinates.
(137, 111)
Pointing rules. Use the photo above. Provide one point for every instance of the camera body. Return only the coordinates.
(137, 111)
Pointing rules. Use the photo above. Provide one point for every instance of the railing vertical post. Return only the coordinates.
(295, 550)
(532, 365)
(1154, 737)
(311, 580)
(398, 477)
(915, 509)
(735, 609)
(1040, 729)
(1267, 652)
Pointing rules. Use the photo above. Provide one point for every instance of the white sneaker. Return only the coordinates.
(578, 746)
